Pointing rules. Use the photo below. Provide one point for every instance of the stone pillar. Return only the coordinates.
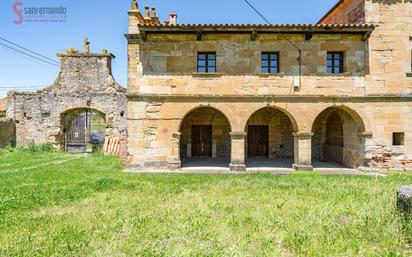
(368, 147)
(237, 157)
(174, 160)
(303, 151)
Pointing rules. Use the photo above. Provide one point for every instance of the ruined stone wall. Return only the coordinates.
(7, 133)
(85, 81)
(347, 12)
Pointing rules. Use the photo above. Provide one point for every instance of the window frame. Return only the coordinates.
(207, 67)
(269, 67)
(398, 138)
(333, 66)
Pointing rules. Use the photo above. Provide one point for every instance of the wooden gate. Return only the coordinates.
(258, 141)
(202, 140)
(80, 126)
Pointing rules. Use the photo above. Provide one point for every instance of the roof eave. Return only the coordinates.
(361, 28)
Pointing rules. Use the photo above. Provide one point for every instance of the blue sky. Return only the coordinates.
(105, 21)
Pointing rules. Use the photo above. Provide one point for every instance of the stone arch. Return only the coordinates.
(358, 115)
(188, 112)
(81, 127)
(269, 133)
(292, 118)
(204, 132)
(336, 136)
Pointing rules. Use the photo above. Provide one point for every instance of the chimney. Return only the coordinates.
(146, 14)
(134, 5)
(172, 18)
(153, 13)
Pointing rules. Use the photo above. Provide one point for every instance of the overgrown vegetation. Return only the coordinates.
(2, 114)
(54, 204)
(32, 147)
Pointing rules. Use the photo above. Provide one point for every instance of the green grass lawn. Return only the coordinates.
(53, 204)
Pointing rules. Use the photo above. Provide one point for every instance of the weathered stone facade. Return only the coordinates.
(85, 82)
(370, 101)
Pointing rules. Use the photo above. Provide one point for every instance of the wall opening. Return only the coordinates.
(398, 138)
(83, 130)
(336, 138)
(269, 139)
(205, 138)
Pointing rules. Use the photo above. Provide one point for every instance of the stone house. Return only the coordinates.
(337, 91)
(84, 102)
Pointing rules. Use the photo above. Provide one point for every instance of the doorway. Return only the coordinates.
(202, 140)
(258, 141)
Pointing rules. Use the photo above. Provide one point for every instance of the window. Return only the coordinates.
(206, 62)
(334, 62)
(270, 63)
(398, 138)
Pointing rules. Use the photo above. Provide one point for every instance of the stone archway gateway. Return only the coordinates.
(83, 129)
(269, 138)
(336, 138)
(205, 138)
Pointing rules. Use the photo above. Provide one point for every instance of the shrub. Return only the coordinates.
(32, 147)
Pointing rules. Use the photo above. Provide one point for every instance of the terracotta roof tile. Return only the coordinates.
(251, 26)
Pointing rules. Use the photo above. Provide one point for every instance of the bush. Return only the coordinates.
(32, 148)
(46, 147)
(2, 114)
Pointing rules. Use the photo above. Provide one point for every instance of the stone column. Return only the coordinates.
(174, 159)
(368, 148)
(303, 151)
(237, 157)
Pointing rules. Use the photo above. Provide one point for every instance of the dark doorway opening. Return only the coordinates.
(336, 140)
(258, 141)
(202, 140)
(205, 140)
(333, 147)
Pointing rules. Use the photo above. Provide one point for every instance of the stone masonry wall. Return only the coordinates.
(84, 81)
(374, 93)
(166, 64)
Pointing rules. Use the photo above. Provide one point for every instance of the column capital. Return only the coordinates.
(238, 134)
(303, 135)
